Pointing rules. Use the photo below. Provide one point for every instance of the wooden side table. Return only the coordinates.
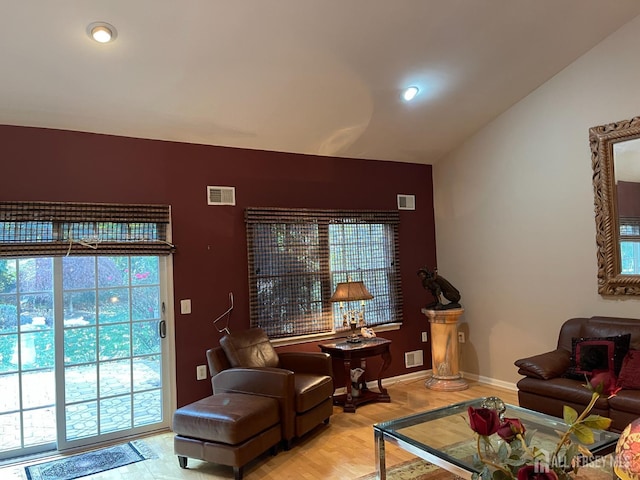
(368, 347)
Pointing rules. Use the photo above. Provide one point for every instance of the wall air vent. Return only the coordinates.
(221, 195)
(413, 359)
(406, 202)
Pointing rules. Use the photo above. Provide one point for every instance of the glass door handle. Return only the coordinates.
(162, 329)
(162, 326)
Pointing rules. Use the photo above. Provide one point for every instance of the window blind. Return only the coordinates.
(630, 228)
(62, 228)
(297, 256)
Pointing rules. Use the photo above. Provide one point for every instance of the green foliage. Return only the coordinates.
(8, 345)
(569, 415)
(583, 433)
(115, 341)
(572, 452)
(38, 343)
(145, 338)
(597, 422)
(8, 317)
(122, 332)
(80, 345)
(7, 275)
(500, 475)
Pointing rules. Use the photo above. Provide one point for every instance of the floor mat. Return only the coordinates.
(76, 466)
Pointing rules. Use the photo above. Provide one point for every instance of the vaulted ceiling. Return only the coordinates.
(305, 76)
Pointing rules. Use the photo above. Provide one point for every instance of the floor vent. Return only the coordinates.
(221, 195)
(406, 202)
(413, 359)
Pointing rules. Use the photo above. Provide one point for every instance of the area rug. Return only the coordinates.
(415, 469)
(88, 463)
(418, 469)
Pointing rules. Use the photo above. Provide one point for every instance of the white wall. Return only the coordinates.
(515, 225)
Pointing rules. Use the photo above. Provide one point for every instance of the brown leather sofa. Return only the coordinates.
(546, 389)
(302, 382)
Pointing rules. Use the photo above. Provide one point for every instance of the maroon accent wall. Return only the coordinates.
(211, 256)
(628, 199)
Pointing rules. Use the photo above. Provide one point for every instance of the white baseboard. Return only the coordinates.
(386, 382)
(490, 381)
(420, 374)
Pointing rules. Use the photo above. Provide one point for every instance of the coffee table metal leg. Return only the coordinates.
(381, 469)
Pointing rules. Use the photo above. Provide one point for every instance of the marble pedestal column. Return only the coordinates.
(445, 355)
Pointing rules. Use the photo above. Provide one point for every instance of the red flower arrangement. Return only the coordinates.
(518, 459)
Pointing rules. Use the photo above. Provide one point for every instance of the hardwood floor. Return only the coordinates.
(341, 450)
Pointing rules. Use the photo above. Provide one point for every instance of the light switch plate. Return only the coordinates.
(185, 307)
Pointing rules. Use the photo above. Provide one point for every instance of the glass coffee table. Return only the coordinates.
(443, 436)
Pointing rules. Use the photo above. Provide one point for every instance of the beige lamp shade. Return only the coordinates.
(350, 291)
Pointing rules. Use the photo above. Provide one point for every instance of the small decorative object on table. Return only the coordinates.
(367, 332)
(495, 403)
(513, 456)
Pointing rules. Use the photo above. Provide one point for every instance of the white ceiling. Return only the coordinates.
(305, 76)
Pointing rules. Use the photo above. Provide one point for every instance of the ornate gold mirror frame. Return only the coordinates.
(603, 138)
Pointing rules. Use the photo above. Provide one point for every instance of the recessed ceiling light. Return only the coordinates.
(102, 32)
(410, 93)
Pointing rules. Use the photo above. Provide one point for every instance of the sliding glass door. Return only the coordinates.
(81, 354)
(27, 356)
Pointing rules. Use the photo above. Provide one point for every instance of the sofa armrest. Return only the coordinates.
(315, 363)
(546, 365)
(269, 382)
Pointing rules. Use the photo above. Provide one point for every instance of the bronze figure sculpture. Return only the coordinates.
(439, 287)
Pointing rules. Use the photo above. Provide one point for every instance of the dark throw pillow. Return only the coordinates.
(629, 378)
(597, 354)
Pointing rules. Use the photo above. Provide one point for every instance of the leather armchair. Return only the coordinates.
(302, 382)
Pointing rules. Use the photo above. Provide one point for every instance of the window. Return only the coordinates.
(297, 257)
(82, 295)
(630, 245)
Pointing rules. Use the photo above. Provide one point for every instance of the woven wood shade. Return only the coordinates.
(60, 228)
(297, 257)
(630, 228)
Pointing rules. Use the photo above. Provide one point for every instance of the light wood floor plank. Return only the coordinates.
(341, 450)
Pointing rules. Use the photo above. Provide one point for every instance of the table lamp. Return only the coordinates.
(349, 292)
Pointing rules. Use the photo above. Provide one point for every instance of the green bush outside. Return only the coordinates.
(118, 338)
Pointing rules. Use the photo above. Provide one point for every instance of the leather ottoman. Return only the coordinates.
(228, 428)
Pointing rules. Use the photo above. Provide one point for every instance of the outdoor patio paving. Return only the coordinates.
(119, 409)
